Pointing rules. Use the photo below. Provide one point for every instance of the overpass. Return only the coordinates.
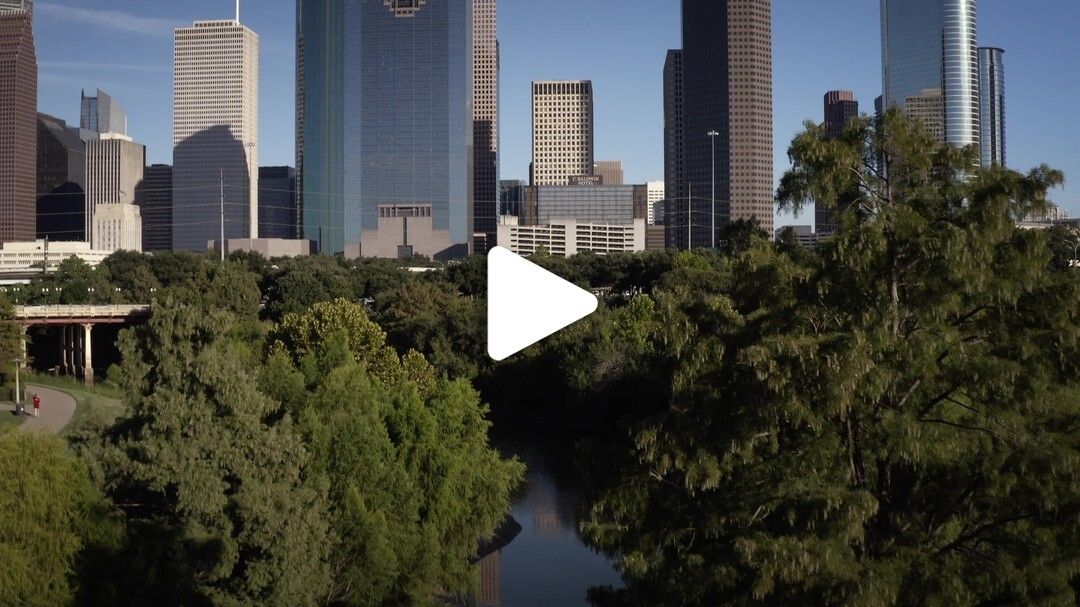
(75, 345)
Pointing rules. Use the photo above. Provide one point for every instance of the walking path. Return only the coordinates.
(57, 409)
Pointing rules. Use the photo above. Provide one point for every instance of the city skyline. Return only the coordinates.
(1035, 122)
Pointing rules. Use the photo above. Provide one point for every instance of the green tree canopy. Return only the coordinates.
(893, 421)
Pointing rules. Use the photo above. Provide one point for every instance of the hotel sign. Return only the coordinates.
(587, 180)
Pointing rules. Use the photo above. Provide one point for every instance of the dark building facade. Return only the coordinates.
(511, 196)
(18, 122)
(840, 109)
(61, 181)
(992, 105)
(384, 118)
(156, 208)
(675, 192)
(485, 122)
(277, 202)
(726, 89)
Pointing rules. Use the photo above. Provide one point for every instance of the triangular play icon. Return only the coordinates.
(526, 303)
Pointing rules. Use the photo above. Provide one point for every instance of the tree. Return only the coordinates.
(11, 336)
(433, 318)
(131, 273)
(211, 474)
(893, 422)
(51, 515)
(414, 486)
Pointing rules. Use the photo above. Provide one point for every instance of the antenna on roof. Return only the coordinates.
(238, 11)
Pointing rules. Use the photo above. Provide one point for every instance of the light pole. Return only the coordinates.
(18, 390)
(712, 136)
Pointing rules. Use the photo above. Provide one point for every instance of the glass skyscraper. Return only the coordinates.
(384, 117)
(930, 64)
(100, 114)
(992, 105)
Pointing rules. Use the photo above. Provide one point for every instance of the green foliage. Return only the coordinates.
(891, 421)
(433, 318)
(11, 335)
(211, 474)
(51, 516)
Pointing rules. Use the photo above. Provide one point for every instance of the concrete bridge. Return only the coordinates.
(76, 323)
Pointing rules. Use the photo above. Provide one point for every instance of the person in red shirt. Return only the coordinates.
(37, 404)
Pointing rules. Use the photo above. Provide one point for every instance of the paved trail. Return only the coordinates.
(57, 408)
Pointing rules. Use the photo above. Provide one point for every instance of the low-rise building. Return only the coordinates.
(267, 247)
(117, 227)
(405, 230)
(39, 254)
(805, 235)
(566, 238)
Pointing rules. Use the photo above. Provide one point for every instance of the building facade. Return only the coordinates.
(562, 114)
(61, 181)
(566, 238)
(485, 119)
(385, 94)
(992, 106)
(115, 168)
(841, 108)
(610, 172)
(929, 58)
(656, 193)
(609, 205)
(18, 121)
(726, 90)
(155, 207)
(674, 118)
(117, 227)
(277, 203)
(215, 135)
(45, 254)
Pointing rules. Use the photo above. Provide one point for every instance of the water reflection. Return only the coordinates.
(546, 563)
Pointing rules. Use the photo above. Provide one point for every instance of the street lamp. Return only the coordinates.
(18, 390)
(712, 136)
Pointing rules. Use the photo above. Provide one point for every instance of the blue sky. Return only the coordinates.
(125, 48)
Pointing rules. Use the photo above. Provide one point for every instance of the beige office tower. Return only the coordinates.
(562, 131)
(485, 122)
(656, 194)
(115, 167)
(117, 227)
(929, 108)
(215, 133)
(610, 171)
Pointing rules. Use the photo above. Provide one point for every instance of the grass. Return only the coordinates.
(102, 402)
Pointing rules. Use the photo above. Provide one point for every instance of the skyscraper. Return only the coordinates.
(657, 194)
(929, 58)
(277, 202)
(840, 109)
(114, 173)
(61, 181)
(562, 131)
(485, 119)
(18, 121)
(992, 105)
(610, 171)
(155, 208)
(385, 125)
(215, 132)
(100, 114)
(727, 90)
(674, 117)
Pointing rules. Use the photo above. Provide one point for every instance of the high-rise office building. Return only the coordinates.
(727, 119)
(992, 105)
(215, 132)
(511, 196)
(277, 203)
(656, 193)
(840, 109)
(609, 171)
(61, 181)
(385, 125)
(929, 59)
(674, 117)
(18, 121)
(155, 207)
(101, 114)
(115, 167)
(485, 119)
(562, 131)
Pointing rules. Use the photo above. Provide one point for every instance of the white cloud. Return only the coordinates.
(107, 19)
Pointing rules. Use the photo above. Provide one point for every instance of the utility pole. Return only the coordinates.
(221, 243)
(713, 135)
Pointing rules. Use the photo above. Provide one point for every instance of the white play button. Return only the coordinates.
(526, 303)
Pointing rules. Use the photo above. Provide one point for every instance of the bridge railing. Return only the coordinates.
(79, 311)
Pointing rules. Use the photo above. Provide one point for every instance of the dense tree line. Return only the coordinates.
(892, 418)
